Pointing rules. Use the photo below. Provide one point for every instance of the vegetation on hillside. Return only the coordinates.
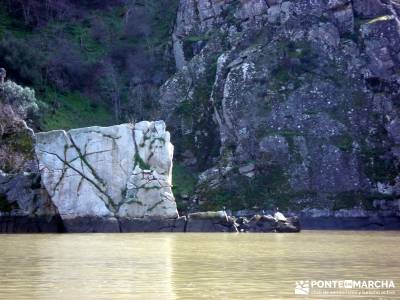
(90, 62)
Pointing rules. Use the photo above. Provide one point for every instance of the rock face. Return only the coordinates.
(384, 216)
(287, 103)
(25, 205)
(121, 171)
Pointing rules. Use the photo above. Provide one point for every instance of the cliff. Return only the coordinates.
(96, 179)
(287, 103)
(290, 104)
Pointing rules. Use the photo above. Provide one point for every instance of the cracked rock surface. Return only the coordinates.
(117, 171)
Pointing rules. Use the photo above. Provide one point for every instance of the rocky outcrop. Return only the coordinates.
(219, 221)
(268, 223)
(287, 103)
(123, 171)
(23, 195)
(384, 215)
(25, 205)
(105, 179)
(211, 222)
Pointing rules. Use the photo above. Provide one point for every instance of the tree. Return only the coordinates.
(112, 88)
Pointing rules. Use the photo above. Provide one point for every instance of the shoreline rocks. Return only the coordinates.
(211, 221)
(118, 179)
(268, 223)
(350, 223)
(30, 224)
(109, 179)
(196, 222)
(385, 215)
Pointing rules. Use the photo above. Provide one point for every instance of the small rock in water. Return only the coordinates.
(280, 217)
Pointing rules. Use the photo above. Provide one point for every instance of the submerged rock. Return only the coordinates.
(118, 171)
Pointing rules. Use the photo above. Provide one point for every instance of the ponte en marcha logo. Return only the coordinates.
(343, 287)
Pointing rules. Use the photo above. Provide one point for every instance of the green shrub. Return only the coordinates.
(183, 180)
(21, 98)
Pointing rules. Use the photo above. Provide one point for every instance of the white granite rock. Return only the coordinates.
(118, 171)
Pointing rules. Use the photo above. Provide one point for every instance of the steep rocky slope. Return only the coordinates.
(287, 103)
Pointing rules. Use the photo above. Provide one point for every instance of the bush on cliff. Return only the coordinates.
(114, 54)
(21, 99)
(18, 106)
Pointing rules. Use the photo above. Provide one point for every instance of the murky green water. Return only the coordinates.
(191, 266)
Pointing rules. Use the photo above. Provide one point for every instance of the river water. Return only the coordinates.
(194, 266)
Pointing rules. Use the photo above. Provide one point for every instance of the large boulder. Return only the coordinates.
(118, 171)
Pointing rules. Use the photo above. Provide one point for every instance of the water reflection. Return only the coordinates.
(86, 267)
(188, 266)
